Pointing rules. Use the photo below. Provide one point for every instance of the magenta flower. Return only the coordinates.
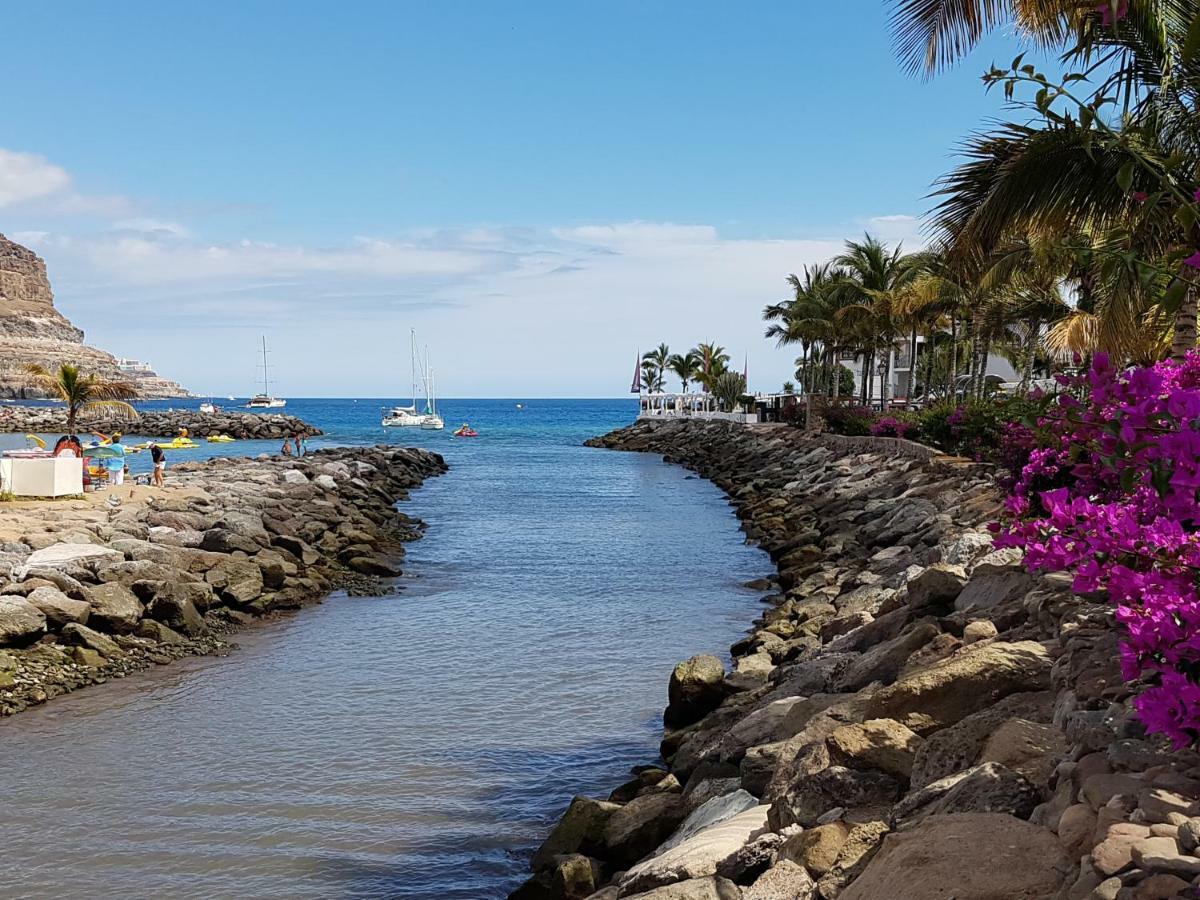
(1193, 260)
(1106, 12)
(1141, 196)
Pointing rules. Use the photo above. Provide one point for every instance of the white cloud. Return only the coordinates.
(27, 176)
(897, 228)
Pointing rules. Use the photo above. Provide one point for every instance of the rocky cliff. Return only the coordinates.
(33, 331)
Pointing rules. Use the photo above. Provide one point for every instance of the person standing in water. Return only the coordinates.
(286, 449)
(299, 440)
(159, 458)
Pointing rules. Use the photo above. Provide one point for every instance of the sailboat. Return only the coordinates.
(265, 400)
(433, 422)
(406, 416)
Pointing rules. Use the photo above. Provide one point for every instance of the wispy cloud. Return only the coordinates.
(27, 176)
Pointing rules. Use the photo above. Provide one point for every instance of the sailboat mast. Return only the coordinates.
(412, 357)
(266, 388)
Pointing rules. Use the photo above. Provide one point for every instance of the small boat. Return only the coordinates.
(466, 431)
(433, 422)
(407, 416)
(220, 439)
(265, 400)
(207, 408)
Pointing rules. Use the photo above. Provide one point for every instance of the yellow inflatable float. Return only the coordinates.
(220, 439)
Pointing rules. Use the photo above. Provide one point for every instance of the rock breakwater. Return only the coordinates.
(914, 715)
(167, 423)
(95, 589)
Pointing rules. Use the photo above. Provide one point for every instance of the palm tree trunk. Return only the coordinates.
(72, 412)
(912, 364)
(953, 350)
(885, 383)
(864, 394)
(1031, 343)
(1185, 326)
(835, 375)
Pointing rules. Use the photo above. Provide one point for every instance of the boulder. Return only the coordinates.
(979, 630)
(783, 881)
(82, 636)
(179, 613)
(84, 656)
(57, 607)
(373, 565)
(988, 589)
(708, 814)
(696, 688)
(958, 747)
(817, 848)
(809, 796)
(63, 555)
(641, 825)
(220, 540)
(238, 581)
(986, 788)
(939, 585)
(696, 889)
(1161, 854)
(949, 690)
(1031, 749)
(574, 877)
(882, 744)
(20, 621)
(884, 661)
(297, 548)
(972, 856)
(157, 631)
(698, 855)
(115, 608)
(581, 829)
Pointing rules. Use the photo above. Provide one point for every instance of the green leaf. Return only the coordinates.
(1125, 176)
(1016, 63)
(1174, 296)
(1192, 43)
(1185, 215)
(1128, 479)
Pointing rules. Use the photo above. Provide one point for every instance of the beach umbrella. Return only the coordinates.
(101, 452)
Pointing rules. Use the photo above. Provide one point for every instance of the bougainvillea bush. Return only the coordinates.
(900, 426)
(1109, 494)
(846, 419)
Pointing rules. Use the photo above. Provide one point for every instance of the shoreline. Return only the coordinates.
(93, 591)
(913, 714)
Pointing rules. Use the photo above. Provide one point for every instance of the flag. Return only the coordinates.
(636, 387)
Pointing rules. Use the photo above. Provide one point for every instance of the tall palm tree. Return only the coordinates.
(657, 360)
(805, 319)
(714, 362)
(1134, 129)
(872, 279)
(83, 392)
(685, 366)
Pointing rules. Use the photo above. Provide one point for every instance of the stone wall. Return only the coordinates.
(914, 715)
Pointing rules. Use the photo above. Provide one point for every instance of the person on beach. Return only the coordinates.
(286, 449)
(159, 458)
(116, 464)
(299, 441)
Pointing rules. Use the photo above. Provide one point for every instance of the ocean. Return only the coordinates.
(417, 745)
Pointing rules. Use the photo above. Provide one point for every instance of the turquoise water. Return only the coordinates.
(410, 746)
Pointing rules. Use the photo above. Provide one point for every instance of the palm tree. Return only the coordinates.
(806, 319)
(657, 359)
(872, 280)
(714, 362)
(1088, 173)
(685, 366)
(728, 389)
(83, 392)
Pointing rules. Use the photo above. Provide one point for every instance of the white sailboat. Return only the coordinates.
(433, 422)
(406, 416)
(265, 400)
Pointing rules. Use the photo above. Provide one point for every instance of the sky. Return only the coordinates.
(540, 189)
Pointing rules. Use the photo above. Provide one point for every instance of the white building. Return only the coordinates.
(900, 381)
(134, 367)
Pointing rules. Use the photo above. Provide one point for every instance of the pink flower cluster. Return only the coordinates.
(1112, 495)
(890, 426)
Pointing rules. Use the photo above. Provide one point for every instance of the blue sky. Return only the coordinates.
(539, 188)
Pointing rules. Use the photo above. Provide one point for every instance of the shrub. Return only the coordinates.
(851, 420)
(1109, 494)
(899, 425)
(790, 412)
